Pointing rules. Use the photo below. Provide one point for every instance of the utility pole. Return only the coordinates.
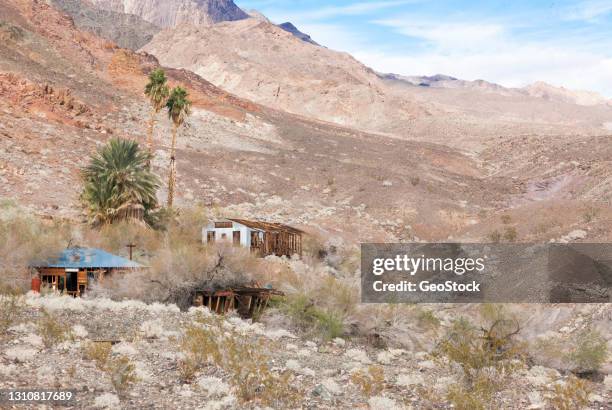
(131, 246)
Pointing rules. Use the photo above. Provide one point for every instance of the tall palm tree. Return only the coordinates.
(157, 91)
(179, 108)
(118, 184)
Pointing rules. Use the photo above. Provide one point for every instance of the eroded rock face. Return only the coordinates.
(171, 13)
(127, 30)
(270, 65)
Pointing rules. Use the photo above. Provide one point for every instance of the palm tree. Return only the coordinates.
(157, 91)
(118, 184)
(179, 107)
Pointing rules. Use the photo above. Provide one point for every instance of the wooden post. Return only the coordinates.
(131, 246)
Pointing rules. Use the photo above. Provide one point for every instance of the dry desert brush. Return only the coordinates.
(207, 342)
(486, 355)
(24, 240)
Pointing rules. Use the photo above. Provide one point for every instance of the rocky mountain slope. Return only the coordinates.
(65, 91)
(260, 61)
(256, 60)
(550, 92)
(172, 13)
(127, 30)
(289, 27)
(538, 90)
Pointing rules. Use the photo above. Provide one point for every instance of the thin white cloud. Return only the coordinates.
(510, 50)
(588, 10)
(514, 66)
(353, 9)
(495, 52)
(446, 34)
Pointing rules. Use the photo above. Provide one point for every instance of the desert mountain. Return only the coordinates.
(259, 61)
(550, 92)
(539, 89)
(127, 30)
(64, 92)
(445, 81)
(289, 27)
(170, 13)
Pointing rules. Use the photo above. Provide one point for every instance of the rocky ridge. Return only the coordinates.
(172, 13)
(127, 30)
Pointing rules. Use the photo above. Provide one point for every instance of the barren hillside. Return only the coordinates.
(262, 62)
(66, 91)
(172, 13)
(127, 30)
(256, 60)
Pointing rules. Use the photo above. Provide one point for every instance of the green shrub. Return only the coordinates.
(495, 236)
(329, 324)
(427, 319)
(465, 399)
(590, 214)
(325, 323)
(590, 351)
(510, 234)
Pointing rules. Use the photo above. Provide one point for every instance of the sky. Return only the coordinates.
(512, 43)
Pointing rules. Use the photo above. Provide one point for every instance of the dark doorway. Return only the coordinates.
(71, 281)
(236, 238)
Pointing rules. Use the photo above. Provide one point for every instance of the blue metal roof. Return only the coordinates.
(74, 258)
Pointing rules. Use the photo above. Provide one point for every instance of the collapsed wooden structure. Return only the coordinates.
(262, 238)
(246, 301)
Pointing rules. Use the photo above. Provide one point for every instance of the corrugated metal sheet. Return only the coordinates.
(89, 258)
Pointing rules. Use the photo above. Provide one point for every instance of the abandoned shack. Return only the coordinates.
(76, 268)
(263, 238)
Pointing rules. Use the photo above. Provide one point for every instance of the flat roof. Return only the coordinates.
(267, 226)
(74, 258)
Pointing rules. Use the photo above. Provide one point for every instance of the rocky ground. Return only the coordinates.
(323, 373)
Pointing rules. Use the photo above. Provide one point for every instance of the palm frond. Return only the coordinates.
(118, 179)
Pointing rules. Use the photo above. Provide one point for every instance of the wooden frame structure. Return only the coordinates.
(248, 302)
(263, 238)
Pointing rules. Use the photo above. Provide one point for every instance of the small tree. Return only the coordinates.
(118, 184)
(179, 108)
(158, 92)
